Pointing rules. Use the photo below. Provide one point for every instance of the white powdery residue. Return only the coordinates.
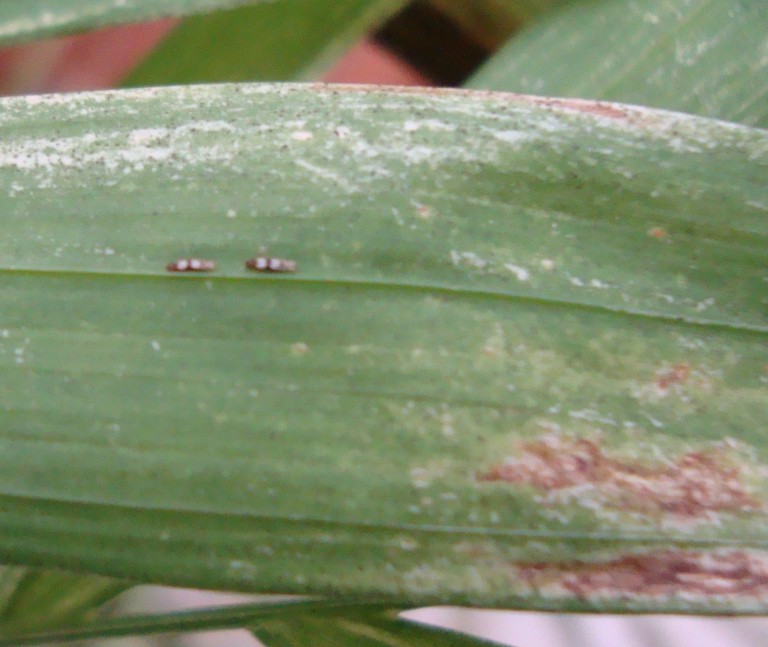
(654, 421)
(680, 145)
(551, 124)
(212, 126)
(590, 415)
(365, 149)
(419, 154)
(116, 151)
(521, 273)
(512, 136)
(547, 264)
(468, 258)
(597, 283)
(327, 174)
(763, 206)
(573, 280)
(691, 343)
(155, 345)
(145, 136)
(302, 135)
(704, 305)
(411, 125)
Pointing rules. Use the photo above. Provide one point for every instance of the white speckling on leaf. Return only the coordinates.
(591, 415)
(521, 273)
(468, 258)
(705, 304)
(412, 125)
(654, 421)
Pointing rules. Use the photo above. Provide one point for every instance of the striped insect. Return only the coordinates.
(268, 264)
(191, 265)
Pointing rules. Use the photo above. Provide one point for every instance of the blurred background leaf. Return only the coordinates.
(42, 18)
(706, 57)
(289, 39)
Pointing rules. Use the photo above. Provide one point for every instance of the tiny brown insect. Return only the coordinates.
(191, 265)
(267, 264)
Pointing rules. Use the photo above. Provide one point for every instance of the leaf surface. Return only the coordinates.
(524, 348)
(42, 18)
(281, 622)
(355, 626)
(490, 22)
(706, 57)
(267, 41)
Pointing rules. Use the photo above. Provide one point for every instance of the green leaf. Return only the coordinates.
(355, 627)
(275, 41)
(40, 18)
(707, 57)
(524, 350)
(280, 622)
(37, 600)
(211, 619)
(490, 22)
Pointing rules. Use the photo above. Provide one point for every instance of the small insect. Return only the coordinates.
(267, 264)
(191, 265)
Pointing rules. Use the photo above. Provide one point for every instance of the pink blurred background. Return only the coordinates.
(102, 58)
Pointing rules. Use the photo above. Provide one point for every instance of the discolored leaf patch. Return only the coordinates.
(667, 573)
(692, 485)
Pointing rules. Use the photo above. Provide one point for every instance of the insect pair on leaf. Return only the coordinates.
(257, 264)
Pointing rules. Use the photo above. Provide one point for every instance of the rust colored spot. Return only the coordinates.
(678, 374)
(665, 573)
(424, 211)
(692, 485)
(598, 108)
(657, 232)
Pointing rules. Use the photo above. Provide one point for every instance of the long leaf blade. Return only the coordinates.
(41, 18)
(476, 272)
(707, 57)
(356, 626)
(267, 42)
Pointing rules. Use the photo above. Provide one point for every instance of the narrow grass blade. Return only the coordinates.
(355, 627)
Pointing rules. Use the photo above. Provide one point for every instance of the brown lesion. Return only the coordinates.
(692, 485)
(663, 573)
(677, 375)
